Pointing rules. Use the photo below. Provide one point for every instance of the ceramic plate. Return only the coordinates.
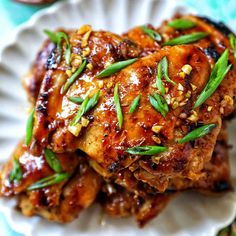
(189, 214)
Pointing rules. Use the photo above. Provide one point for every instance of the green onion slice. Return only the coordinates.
(162, 71)
(16, 173)
(113, 68)
(232, 40)
(73, 78)
(134, 104)
(118, 106)
(197, 133)
(181, 24)
(76, 100)
(185, 39)
(151, 33)
(159, 103)
(56, 38)
(87, 105)
(48, 181)
(52, 160)
(218, 73)
(29, 128)
(146, 150)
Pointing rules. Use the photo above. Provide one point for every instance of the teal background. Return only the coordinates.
(13, 14)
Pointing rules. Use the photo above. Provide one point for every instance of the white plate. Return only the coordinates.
(189, 214)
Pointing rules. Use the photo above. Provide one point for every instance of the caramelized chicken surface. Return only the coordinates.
(93, 153)
(104, 142)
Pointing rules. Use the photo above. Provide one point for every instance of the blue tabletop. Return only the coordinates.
(13, 14)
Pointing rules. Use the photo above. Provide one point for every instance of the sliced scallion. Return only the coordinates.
(185, 39)
(162, 71)
(48, 181)
(118, 106)
(73, 78)
(159, 103)
(134, 104)
(151, 33)
(87, 105)
(197, 133)
(146, 150)
(218, 73)
(16, 173)
(113, 68)
(181, 24)
(29, 128)
(52, 160)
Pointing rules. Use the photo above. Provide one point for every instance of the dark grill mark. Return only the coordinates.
(51, 61)
(218, 25)
(114, 167)
(42, 108)
(211, 52)
(222, 186)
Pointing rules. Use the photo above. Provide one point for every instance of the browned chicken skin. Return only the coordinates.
(141, 185)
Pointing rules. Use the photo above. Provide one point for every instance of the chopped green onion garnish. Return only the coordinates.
(48, 181)
(218, 73)
(197, 133)
(113, 68)
(51, 35)
(151, 33)
(52, 160)
(87, 105)
(118, 106)
(29, 128)
(56, 37)
(162, 71)
(232, 40)
(185, 39)
(16, 173)
(181, 24)
(73, 78)
(146, 150)
(76, 100)
(134, 104)
(159, 103)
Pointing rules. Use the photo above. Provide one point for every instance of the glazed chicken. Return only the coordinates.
(83, 118)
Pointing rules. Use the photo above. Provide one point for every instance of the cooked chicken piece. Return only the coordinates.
(134, 184)
(61, 201)
(119, 202)
(33, 79)
(145, 203)
(104, 142)
(212, 46)
(65, 204)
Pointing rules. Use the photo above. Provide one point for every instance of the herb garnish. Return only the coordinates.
(181, 24)
(115, 67)
(118, 106)
(185, 39)
(29, 128)
(16, 173)
(134, 104)
(48, 181)
(162, 71)
(218, 73)
(197, 133)
(72, 79)
(151, 33)
(52, 160)
(76, 100)
(232, 40)
(146, 150)
(57, 37)
(159, 103)
(87, 105)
